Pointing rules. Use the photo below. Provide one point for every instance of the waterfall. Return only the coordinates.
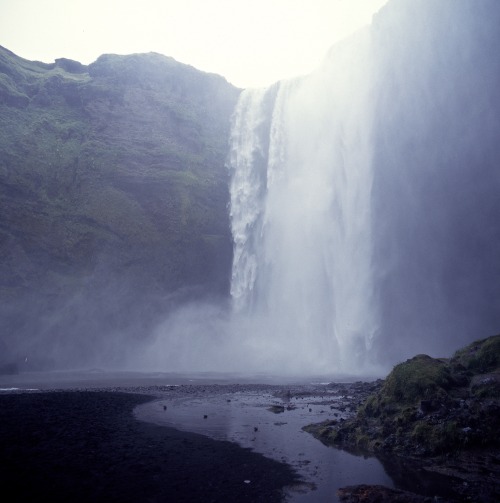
(300, 199)
(364, 197)
(364, 205)
(248, 154)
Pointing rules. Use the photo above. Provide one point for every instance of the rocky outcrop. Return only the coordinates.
(428, 406)
(445, 413)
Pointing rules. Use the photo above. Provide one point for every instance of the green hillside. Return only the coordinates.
(114, 197)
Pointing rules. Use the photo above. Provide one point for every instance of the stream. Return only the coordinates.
(271, 425)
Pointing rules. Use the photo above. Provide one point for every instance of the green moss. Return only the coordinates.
(421, 377)
(422, 432)
(486, 386)
(120, 163)
(481, 356)
(371, 407)
(429, 406)
(362, 440)
(440, 438)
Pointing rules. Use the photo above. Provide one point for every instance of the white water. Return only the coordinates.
(300, 198)
(364, 207)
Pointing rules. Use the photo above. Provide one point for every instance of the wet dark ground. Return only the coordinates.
(93, 437)
(87, 447)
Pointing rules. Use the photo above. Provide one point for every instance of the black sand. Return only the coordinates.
(86, 446)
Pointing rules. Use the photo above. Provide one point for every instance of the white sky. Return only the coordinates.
(252, 43)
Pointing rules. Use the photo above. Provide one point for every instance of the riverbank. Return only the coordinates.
(83, 446)
(131, 438)
(86, 443)
(163, 443)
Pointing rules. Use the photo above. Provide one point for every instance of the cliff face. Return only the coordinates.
(435, 206)
(114, 198)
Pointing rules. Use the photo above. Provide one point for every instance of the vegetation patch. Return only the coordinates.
(428, 407)
(114, 195)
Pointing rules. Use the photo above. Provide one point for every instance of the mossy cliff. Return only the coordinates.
(114, 195)
(428, 407)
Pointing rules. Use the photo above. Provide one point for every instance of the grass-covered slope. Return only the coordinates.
(113, 195)
(429, 407)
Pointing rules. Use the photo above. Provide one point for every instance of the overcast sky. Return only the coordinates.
(252, 43)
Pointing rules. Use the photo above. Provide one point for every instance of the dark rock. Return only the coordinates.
(277, 409)
(427, 406)
(379, 494)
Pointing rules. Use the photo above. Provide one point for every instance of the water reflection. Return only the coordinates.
(246, 418)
